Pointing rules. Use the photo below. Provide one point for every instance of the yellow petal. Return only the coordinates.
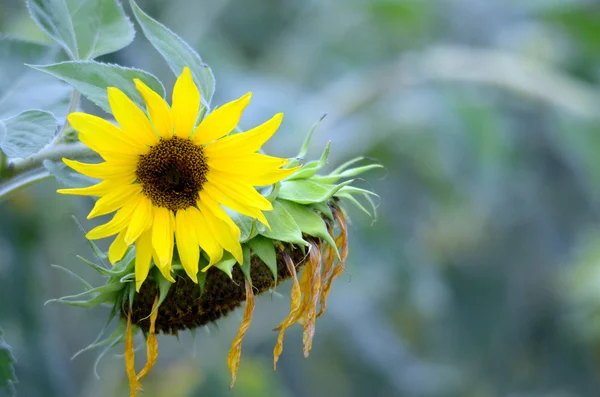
(131, 118)
(186, 103)
(143, 256)
(102, 170)
(205, 238)
(116, 224)
(103, 136)
(218, 211)
(114, 200)
(221, 121)
(165, 270)
(187, 244)
(222, 232)
(117, 249)
(230, 203)
(263, 179)
(99, 189)
(245, 142)
(254, 163)
(241, 192)
(159, 111)
(141, 220)
(162, 236)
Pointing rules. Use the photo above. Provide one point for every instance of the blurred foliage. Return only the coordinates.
(480, 277)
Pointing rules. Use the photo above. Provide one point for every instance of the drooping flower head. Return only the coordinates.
(168, 178)
(170, 183)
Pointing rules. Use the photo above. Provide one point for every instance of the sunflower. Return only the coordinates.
(167, 179)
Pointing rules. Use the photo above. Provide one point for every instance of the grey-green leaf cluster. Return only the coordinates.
(33, 105)
(7, 371)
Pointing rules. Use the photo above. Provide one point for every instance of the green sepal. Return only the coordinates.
(105, 293)
(310, 169)
(116, 337)
(355, 190)
(247, 226)
(86, 285)
(245, 267)
(97, 252)
(130, 295)
(202, 275)
(97, 342)
(334, 177)
(308, 192)
(324, 209)
(265, 250)
(283, 226)
(304, 149)
(226, 264)
(358, 204)
(164, 286)
(310, 222)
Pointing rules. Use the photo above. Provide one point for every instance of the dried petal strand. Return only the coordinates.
(310, 313)
(233, 359)
(295, 303)
(329, 259)
(134, 384)
(151, 343)
(342, 243)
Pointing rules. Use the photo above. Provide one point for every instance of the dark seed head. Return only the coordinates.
(172, 173)
(184, 307)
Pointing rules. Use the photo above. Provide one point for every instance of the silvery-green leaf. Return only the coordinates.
(265, 250)
(27, 133)
(283, 226)
(245, 267)
(176, 52)
(226, 264)
(310, 222)
(92, 78)
(311, 168)
(307, 192)
(7, 371)
(84, 28)
(22, 88)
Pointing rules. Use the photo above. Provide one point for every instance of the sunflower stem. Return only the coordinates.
(24, 172)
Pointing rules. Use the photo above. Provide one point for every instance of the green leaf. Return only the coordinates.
(245, 267)
(176, 52)
(283, 226)
(22, 88)
(308, 192)
(27, 133)
(7, 371)
(265, 250)
(84, 28)
(91, 78)
(309, 221)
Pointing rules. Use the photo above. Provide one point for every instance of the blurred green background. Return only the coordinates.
(481, 275)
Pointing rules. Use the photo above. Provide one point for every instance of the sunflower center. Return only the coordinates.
(172, 173)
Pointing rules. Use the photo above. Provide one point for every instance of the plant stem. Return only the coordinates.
(22, 173)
